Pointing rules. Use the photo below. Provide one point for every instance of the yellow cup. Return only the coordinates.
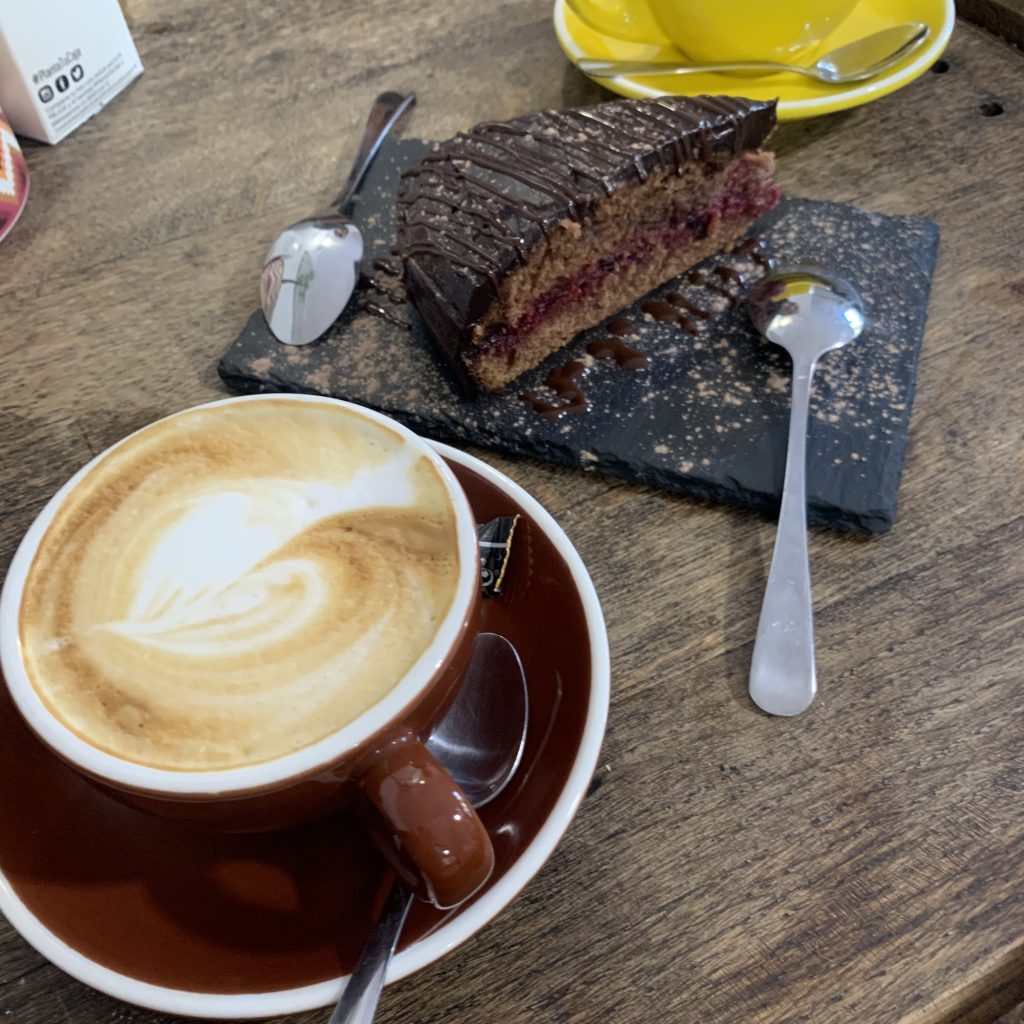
(718, 30)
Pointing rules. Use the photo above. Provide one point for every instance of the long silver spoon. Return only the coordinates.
(480, 741)
(808, 312)
(854, 62)
(311, 269)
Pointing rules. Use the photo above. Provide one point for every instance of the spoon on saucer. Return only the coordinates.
(310, 272)
(480, 742)
(808, 312)
(853, 62)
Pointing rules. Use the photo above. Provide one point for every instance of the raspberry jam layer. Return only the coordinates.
(747, 192)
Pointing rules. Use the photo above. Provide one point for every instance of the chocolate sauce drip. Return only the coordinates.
(754, 248)
(734, 300)
(664, 312)
(677, 308)
(699, 277)
(621, 327)
(727, 273)
(683, 303)
(371, 307)
(476, 206)
(669, 313)
(565, 382)
(614, 348)
(393, 290)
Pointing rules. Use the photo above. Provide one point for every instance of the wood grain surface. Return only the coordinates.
(864, 862)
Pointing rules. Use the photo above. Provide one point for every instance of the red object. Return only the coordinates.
(13, 178)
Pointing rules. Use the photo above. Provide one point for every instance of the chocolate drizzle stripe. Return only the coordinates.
(450, 175)
(500, 126)
(544, 169)
(484, 224)
(631, 152)
(481, 190)
(561, 155)
(484, 192)
(648, 115)
(436, 249)
(605, 163)
(526, 168)
(682, 143)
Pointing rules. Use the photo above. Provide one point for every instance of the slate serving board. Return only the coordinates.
(708, 417)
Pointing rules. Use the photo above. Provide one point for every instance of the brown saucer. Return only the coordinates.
(94, 884)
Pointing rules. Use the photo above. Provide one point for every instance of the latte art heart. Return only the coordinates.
(237, 583)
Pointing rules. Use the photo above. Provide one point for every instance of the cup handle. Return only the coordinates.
(432, 836)
(631, 20)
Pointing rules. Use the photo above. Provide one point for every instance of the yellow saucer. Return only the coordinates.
(798, 96)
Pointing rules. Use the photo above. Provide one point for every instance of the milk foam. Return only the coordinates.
(208, 567)
(238, 583)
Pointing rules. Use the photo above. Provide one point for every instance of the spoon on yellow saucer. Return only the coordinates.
(853, 62)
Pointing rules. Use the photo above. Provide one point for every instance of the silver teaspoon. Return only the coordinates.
(480, 741)
(854, 62)
(310, 272)
(808, 312)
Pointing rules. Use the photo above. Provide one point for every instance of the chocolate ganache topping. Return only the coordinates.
(477, 205)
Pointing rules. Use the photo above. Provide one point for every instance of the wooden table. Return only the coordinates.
(862, 863)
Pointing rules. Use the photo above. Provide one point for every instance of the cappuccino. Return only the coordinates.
(238, 582)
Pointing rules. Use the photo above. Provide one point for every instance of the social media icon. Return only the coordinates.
(77, 73)
(46, 94)
(62, 83)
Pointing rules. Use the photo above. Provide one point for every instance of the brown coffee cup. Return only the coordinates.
(375, 763)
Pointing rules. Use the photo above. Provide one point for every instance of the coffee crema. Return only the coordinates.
(238, 582)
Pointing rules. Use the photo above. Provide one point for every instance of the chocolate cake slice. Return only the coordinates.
(519, 234)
